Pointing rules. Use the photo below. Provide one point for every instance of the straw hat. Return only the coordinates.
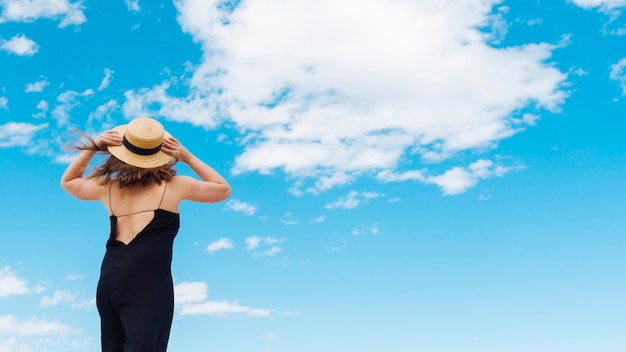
(141, 147)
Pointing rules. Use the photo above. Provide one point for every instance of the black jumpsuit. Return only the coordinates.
(135, 295)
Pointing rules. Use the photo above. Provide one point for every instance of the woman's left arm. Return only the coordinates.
(72, 180)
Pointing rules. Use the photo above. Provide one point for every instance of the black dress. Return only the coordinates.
(135, 294)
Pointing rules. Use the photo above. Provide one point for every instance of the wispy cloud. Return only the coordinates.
(75, 300)
(4, 103)
(453, 181)
(19, 133)
(367, 229)
(68, 13)
(458, 179)
(352, 200)
(288, 219)
(19, 45)
(66, 102)
(618, 73)
(602, 4)
(222, 243)
(36, 86)
(191, 299)
(242, 207)
(318, 220)
(270, 249)
(328, 114)
(133, 5)
(9, 324)
(104, 84)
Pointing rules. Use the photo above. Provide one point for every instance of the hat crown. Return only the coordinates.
(145, 133)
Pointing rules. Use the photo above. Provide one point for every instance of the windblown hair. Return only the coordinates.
(113, 169)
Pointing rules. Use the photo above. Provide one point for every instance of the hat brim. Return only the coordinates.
(143, 161)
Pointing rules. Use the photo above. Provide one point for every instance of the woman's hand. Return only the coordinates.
(171, 146)
(108, 138)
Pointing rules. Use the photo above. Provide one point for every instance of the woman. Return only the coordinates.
(139, 187)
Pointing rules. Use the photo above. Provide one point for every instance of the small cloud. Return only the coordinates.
(222, 243)
(352, 200)
(11, 284)
(618, 73)
(133, 5)
(20, 45)
(394, 200)
(288, 219)
(242, 207)
(10, 325)
(319, 219)
(74, 277)
(59, 296)
(484, 196)
(188, 292)
(4, 103)
(36, 87)
(255, 242)
(104, 84)
(191, 299)
(42, 106)
(365, 230)
(29, 11)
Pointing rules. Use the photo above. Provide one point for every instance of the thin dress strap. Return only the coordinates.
(110, 206)
(162, 196)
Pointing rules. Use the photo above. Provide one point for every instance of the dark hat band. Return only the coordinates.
(140, 151)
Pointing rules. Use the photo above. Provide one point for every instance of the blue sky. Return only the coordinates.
(408, 175)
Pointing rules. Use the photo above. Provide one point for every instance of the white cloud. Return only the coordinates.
(222, 243)
(352, 200)
(458, 179)
(191, 299)
(364, 230)
(66, 101)
(66, 12)
(254, 242)
(20, 45)
(318, 220)
(4, 103)
(288, 219)
(380, 83)
(10, 325)
(36, 86)
(59, 296)
(104, 84)
(42, 106)
(618, 73)
(239, 206)
(74, 300)
(603, 4)
(74, 277)
(11, 284)
(19, 133)
(187, 292)
(133, 5)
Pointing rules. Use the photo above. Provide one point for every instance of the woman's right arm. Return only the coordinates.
(212, 188)
(73, 181)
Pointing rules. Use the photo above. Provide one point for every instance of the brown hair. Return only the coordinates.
(113, 169)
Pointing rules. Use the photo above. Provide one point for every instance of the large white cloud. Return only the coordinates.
(334, 89)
